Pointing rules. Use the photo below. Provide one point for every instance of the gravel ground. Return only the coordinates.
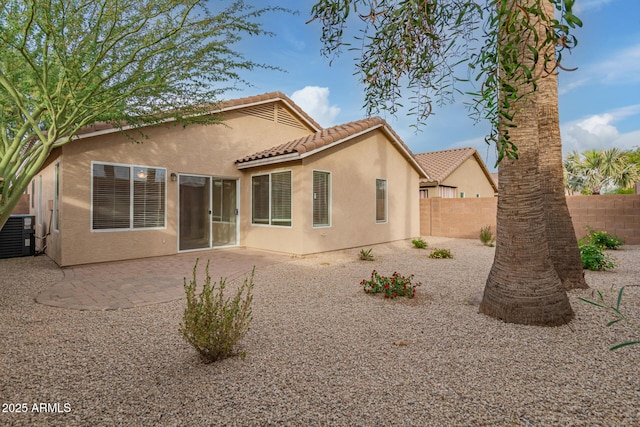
(321, 352)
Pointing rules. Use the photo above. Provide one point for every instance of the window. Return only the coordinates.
(271, 199)
(447, 192)
(321, 198)
(381, 200)
(56, 196)
(125, 197)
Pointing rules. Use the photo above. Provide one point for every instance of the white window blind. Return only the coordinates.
(281, 198)
(321, 183)
(271, 199)
(381, 200)
(127, 197)
(260, 199)
(148, 197)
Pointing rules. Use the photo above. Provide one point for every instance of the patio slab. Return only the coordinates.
(135, 283)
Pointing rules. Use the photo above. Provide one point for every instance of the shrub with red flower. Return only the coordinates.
(394, 286)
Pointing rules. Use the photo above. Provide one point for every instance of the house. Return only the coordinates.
(269, 178)
(453, 173)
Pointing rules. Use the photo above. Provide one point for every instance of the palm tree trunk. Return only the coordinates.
(523, 286)
(563, 245)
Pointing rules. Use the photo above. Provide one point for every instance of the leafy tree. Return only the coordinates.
(65, 64)
(417, 46)
(594, 171)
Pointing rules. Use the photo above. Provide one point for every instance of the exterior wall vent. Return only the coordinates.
(17, 237)
(286, 118)
(265, 111)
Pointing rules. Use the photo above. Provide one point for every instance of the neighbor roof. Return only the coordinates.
(101, 128)
(326, 138)
(440, 164)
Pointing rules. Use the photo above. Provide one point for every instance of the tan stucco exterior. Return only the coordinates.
(212, 151)
(468, 178)
(354, 166)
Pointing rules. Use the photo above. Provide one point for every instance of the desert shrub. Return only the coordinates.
(212, 324)
(419, 243)
(440, 254)
(394, 286)
(593, 258)
(366, 255)
(602, 239)
(486, 236)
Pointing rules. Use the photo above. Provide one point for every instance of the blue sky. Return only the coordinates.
(599, 103)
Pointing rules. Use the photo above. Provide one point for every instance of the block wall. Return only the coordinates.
(617, 214)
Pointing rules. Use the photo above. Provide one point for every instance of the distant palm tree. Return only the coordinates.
(594, 170)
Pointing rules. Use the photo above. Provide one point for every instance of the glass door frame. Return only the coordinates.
(236, 211)
(211, 178)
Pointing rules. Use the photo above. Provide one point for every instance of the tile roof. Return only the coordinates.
(228, 105)
(326, 138)
(440, 164)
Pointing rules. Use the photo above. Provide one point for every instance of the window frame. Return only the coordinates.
(55, 220)
(329, 198)
(386, 201)
(132, 194)
(270, 222)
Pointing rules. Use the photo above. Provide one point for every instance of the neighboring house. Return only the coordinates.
(455, 173)
(269, 178)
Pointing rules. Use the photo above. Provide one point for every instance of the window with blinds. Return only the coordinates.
(321, 201)
(281, 198)
(126, 197)
(381, 200)
(260, 199)
(271, 199)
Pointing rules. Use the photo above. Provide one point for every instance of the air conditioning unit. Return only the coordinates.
(17, 237)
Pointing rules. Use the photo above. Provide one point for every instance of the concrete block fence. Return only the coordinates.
(617, 214)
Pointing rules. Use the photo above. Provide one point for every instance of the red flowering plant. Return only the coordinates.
(394, 286)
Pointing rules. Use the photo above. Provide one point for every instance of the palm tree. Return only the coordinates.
(596, 170)
(563, 245)
(420, 43)
(523, 285)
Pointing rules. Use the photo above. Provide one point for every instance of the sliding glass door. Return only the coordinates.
(224, 212)
(195, 204)
(208, 212)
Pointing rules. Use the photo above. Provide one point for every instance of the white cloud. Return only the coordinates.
(584, 5)
(599, 131)
(571, 85)
(622, 67)
(314, 101)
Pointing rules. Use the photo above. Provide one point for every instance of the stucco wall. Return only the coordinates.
(46, 235)
(23, 204)
(197, 149)
(354, 167)
(470, 179)
(463, 218)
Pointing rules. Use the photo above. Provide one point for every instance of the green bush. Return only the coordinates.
(440, 254)
(366, 255)
(602, 239)
(394, 286)
(486, 236)
(419, 243)
(593, 258)
(212, 324)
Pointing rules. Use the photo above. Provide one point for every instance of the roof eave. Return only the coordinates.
(266, 161)
(286, 101)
